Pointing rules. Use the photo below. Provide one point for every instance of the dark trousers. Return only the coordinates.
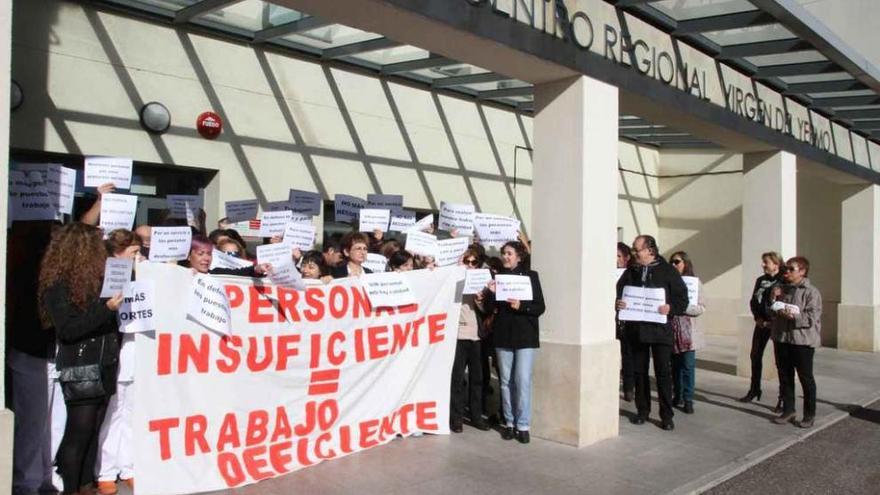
(759, 342)
(467, 356)
(626, 365)
(79, 446)
(791, 358)
(662, 354)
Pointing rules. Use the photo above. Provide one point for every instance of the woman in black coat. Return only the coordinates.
(70, 281)
(515, 331)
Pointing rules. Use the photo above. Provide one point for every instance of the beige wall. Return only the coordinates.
(702, 215)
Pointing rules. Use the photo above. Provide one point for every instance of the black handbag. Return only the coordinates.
(79, 369)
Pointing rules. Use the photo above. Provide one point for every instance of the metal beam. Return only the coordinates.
(486, 77)
(187, 14)
(723, 22)
(422, 63)
(504, 92)
(872, 113)
(298, 26)
(823, 67)
(630, 3)
(824, 87)
(765, 48)
(847, 101)
(361, 47)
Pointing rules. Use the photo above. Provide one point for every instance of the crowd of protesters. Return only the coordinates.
(66, 337)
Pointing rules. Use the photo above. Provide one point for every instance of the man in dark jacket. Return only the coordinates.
(650, 270)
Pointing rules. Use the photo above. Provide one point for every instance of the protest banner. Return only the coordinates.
(402, 220)
(459, 217)
(495, 230)
(117, 273)
(183, 206)
(99, 170)
(278, 206)
(59, 181)
(300, 235)
(421, 243)
(117, 211)
(136, 312)
(273, 223)
(170, 243)
(450, 250)
(476, 279)
(371, 219)
(693, 285)
(28, 197)
(642, 304)
(208, 304)
(388, 289)
(304, 376)
(285, 274)
(305, 202)
(391, 202)
(375, 262)
(347, 208)
(246, 209)
(275, 254)
(517, 287)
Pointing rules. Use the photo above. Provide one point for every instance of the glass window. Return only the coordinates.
(694, 9)
(751, 34)
(787, 58)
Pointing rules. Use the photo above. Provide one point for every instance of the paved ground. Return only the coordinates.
(844, 458)
(724, 438)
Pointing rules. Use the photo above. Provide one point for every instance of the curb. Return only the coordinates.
(741, 464)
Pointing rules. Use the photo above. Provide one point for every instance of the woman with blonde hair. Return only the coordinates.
(88, 352)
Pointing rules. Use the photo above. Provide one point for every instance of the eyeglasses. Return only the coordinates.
(235, 254)
(471, 262)
(676, 262)
(791, 268)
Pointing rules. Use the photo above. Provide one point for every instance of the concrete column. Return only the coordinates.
(769, 223)
(858, 314)
(6, 420)
(574, 224)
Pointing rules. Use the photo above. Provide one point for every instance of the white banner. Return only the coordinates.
(117, 211)
(170, 243)
(517, 287)
(303, 377)
(459, 217)
(693, 285)
(642, 304)
(99, 170)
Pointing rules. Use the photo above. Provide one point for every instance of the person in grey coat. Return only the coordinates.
(797, 324)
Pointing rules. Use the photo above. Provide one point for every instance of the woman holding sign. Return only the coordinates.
(515, 331)
(88, 353)
(686, 338)
(796, 330)
(651, 291)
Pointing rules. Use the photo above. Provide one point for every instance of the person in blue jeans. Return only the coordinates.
(686, 339)
(515, 331)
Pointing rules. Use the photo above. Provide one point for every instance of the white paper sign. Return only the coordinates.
(375, 262)
(781, 306)
(388, 289)
(422, 225)
(208, 304)
(277, 206)
(476, 279)
(300, 235)
(393, 202)
(136, 312)
(273, 223)
(402, 221)
(693, 285)
(495, 230)
(450, 250)
(275, 254)
(117, 273)
(513, 287)
(421, 243)
(287, 275)
(346, 208)
(642, 304)
(372, 219)
(118, 211)
(170, 243)
(457, 216)
(99, 170)
(219, 259)
(237, 211)
(28, 197)
(305, 202)
(59, 180)
(183, 206)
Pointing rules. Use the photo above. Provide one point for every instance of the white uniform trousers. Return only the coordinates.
(116, 443)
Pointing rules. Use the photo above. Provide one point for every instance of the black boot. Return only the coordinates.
(753, 394)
